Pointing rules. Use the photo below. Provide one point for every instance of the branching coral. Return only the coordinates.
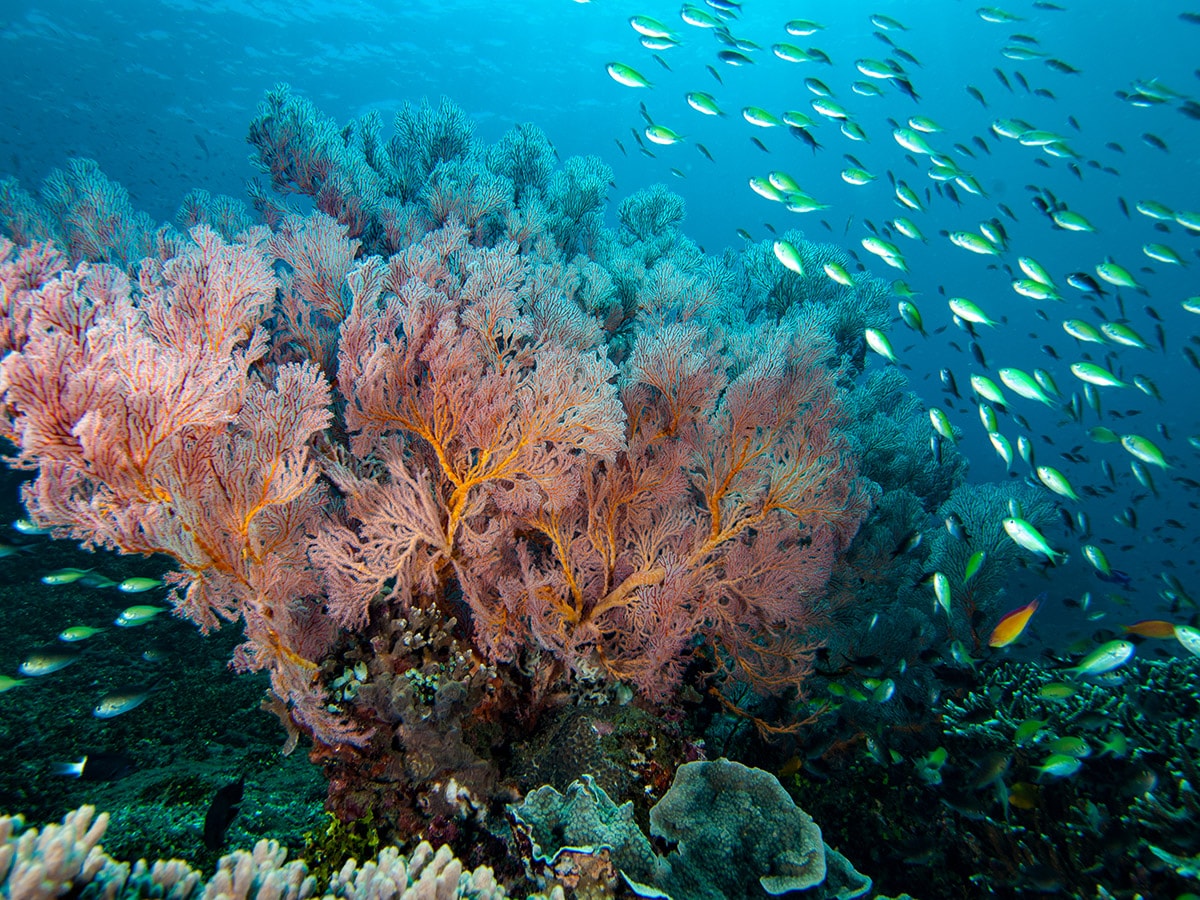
(1134, 788)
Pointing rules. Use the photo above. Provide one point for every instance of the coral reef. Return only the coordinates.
(499, 495)
(457, 456)
(1112, 823)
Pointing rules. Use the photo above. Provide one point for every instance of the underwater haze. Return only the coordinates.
(891, 308)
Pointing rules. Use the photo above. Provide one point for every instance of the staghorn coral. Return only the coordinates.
(1133, 793)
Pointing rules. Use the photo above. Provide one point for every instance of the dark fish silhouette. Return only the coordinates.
(221, 813)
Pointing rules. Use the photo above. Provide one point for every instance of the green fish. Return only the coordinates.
(1046, 380)
(987, 389)
(997, 16)
(856, 176)
(908, 228)
(661, 134)
(1034, 290)
(757, 116)
(1117, 276)
(1025, 535)
(699, 18)
(787, 254)
(1155, 210)
(64, 576)
(785, 182)
(974, 565)
(885, 250)
(802, 27)
(1162, 253)
(987, 416)
(798, 119)
(1083, 331)
(78, 633)
(1102, 435)
(138, 615)
(884, 691)
(908, 197)
(829, 108)
(1189, 637)
(941, 423)
(627, 75)
(1024, 384)
(837, 272)
(47, 661)
(1072, 221)
(1097, 558)
(925, 124)
(1057, 690)
(1059, 765)
(704, 103)
(1116, 746)
(911, 316)
(1057, 482)
(650, 27)
(765, 189)
(1123, 334)
(1028, 729)
(1070, 745)
(1097, 375)
(1035, 270)
(1145, 450)
(802, 203)
(1105, 658)
(941, 591)
(138, 585)
(790, 53)
(929, 767)
(913, 140)
(1147, 387)
(1002, 446)
(976, 243)
(878, 341)
(969, 311)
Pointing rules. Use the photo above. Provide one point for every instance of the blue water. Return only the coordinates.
(161, 94)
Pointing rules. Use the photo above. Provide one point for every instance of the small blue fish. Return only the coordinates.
(1115, 576)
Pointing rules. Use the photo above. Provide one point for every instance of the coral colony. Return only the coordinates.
(528, 519)
(457, 456)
